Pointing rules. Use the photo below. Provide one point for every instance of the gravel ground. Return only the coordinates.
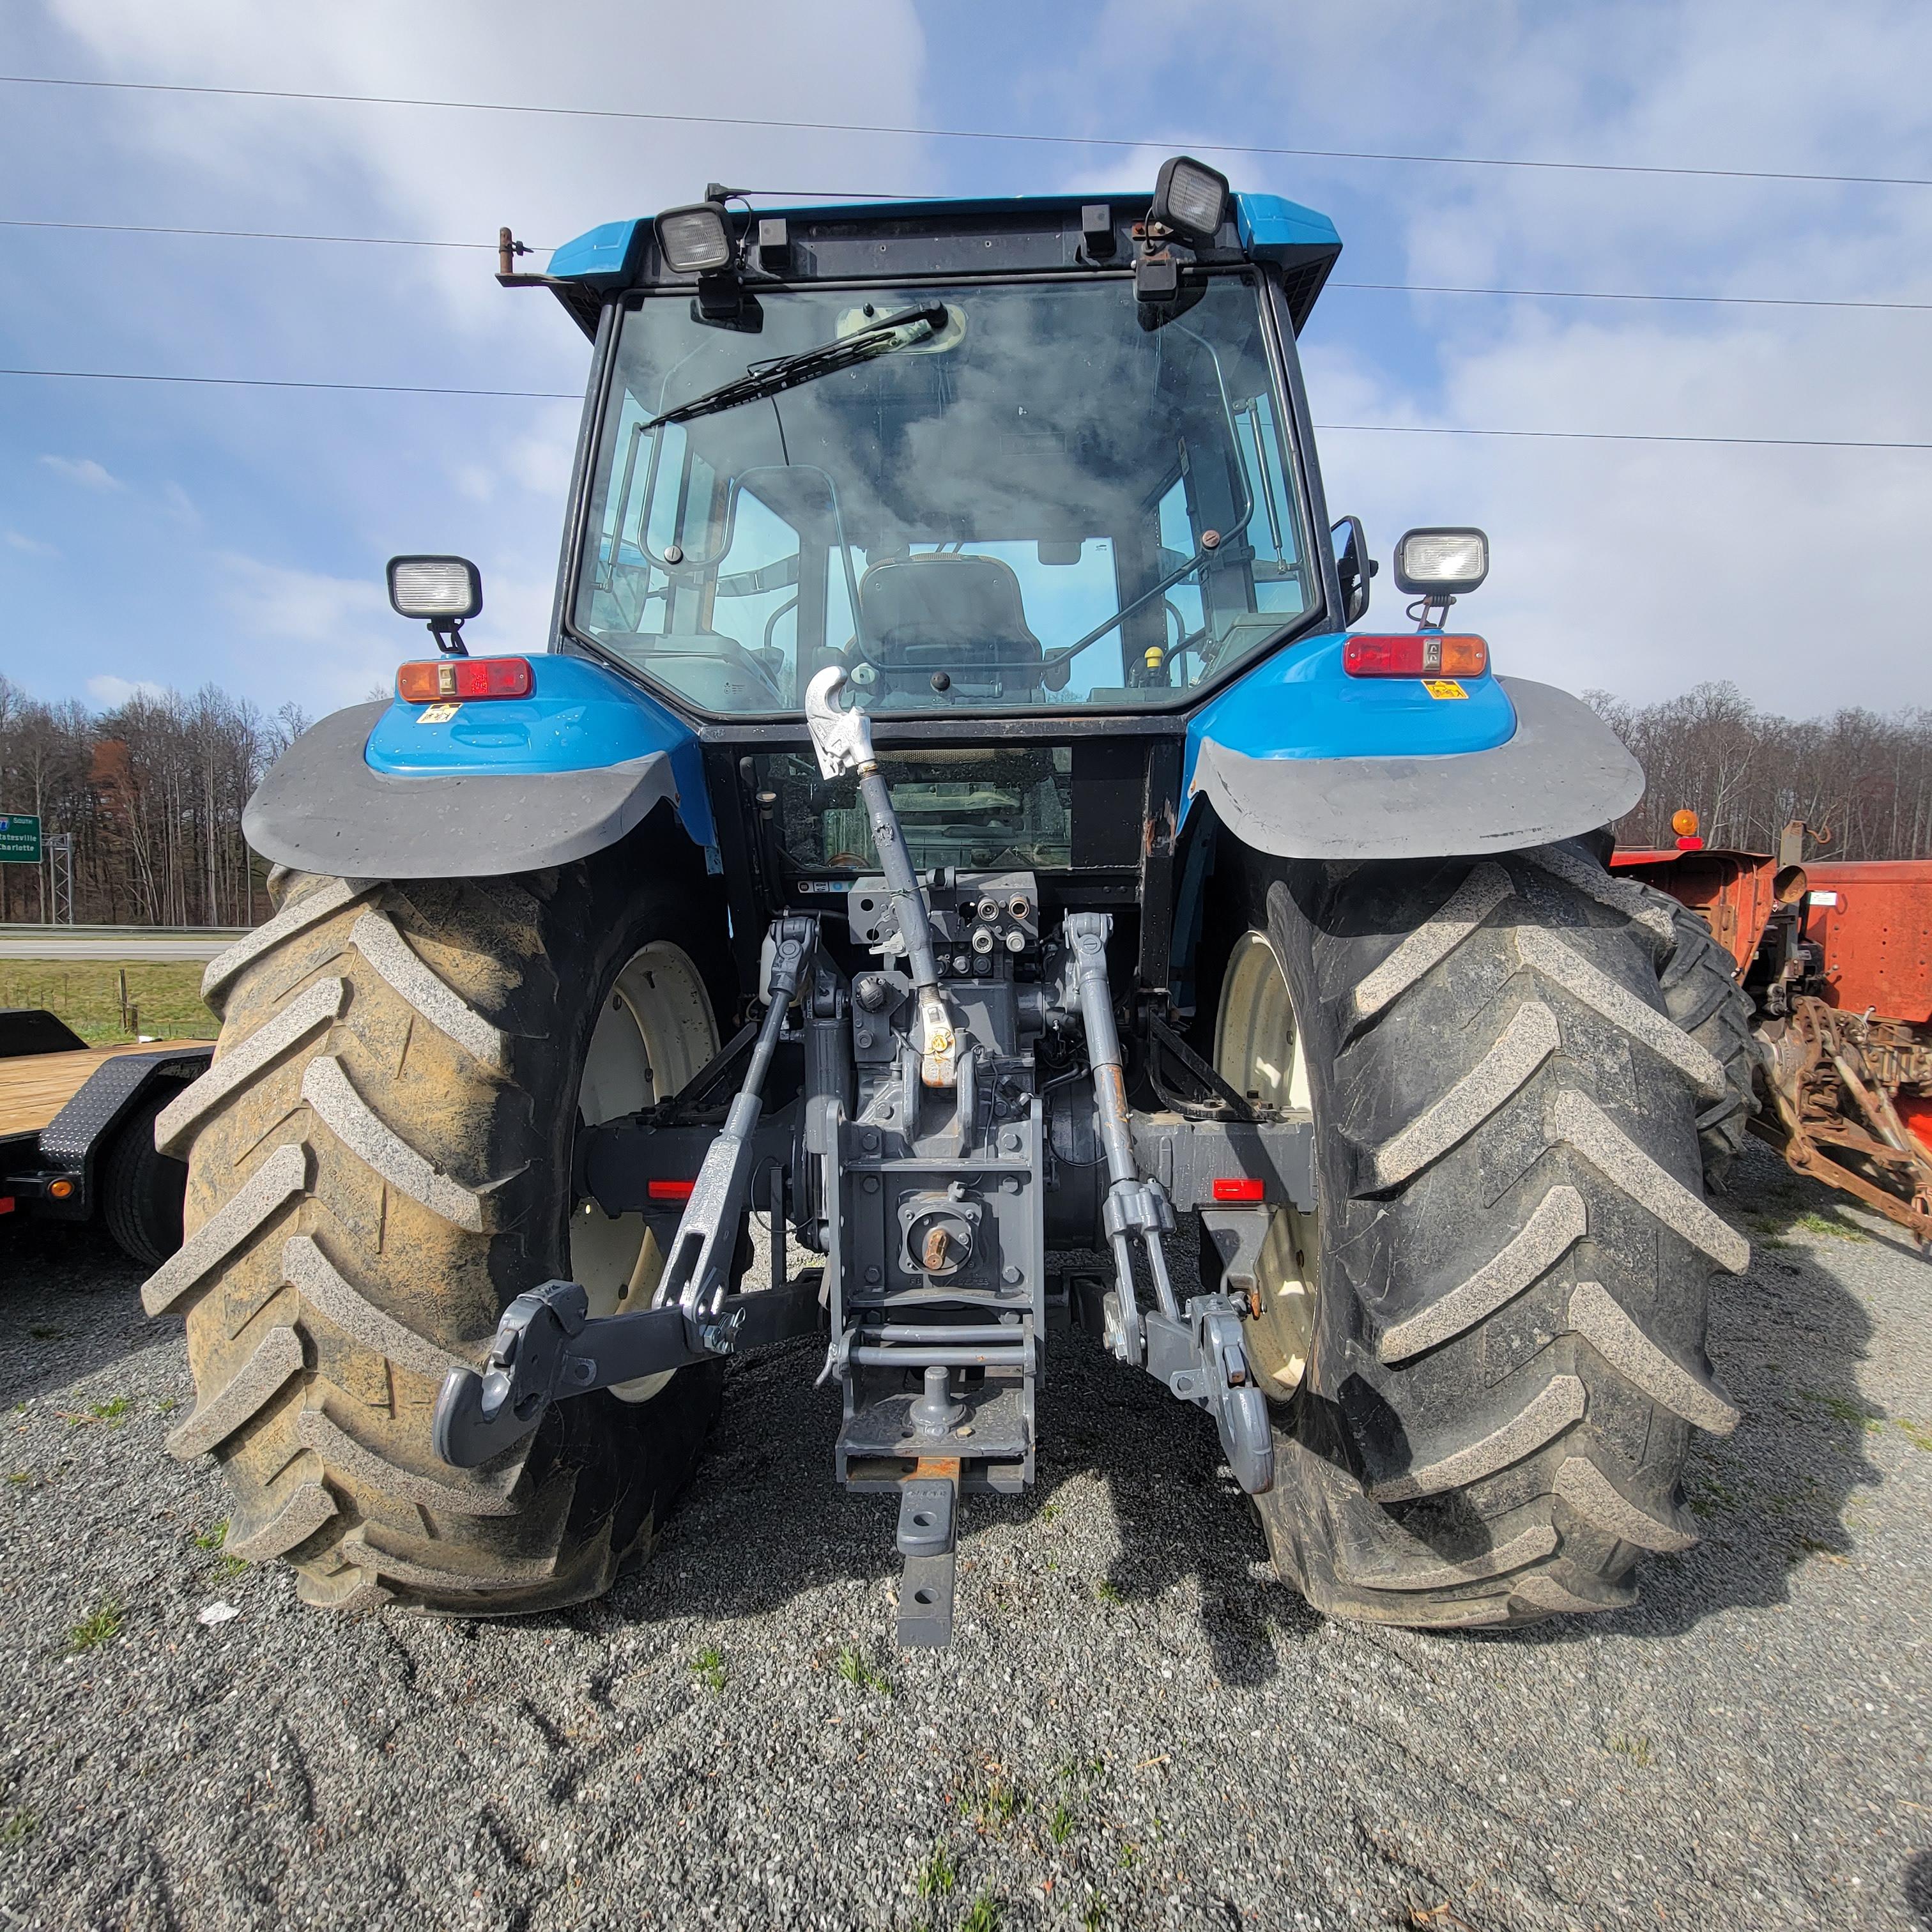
(1135, 1725)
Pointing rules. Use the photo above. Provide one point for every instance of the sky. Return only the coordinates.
(173, 535)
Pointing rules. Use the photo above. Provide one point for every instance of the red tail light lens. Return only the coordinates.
(1415, 654)
(1238, 1190)
(449, 680)
(670, 1190)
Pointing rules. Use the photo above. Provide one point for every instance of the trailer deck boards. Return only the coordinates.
(34, 1088)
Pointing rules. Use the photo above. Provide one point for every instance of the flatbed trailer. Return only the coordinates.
(76, 1129)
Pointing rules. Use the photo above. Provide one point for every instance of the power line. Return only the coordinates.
(275, 382)
(1612, 436)
(243, 234)
(1632, 294)
(572, 396)
(1390, 288)
(965, 134)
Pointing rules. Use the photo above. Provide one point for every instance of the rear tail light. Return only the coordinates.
(441, 680)
(670, 1190)
(1415, 654)
(1238, 1190)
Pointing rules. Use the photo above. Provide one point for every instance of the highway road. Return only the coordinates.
(127, 943)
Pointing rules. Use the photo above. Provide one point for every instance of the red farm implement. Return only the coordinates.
(1836, 960)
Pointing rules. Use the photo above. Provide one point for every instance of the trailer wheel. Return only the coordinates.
(1504, 1299)
(1702, 995)
(141, 1189)
(379, 1158)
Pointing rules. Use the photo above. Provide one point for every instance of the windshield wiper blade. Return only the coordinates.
(877, 338)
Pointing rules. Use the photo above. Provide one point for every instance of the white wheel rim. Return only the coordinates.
(655, 1031)
(1257, 1050)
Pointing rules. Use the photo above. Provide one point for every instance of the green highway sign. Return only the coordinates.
(19, 838)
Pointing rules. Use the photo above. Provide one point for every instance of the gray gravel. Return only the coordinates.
(1135, 1725)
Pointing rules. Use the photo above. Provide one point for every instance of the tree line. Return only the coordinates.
(1861, 781)
(152, 790)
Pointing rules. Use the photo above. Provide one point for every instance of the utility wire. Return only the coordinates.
(1391, 288)
(965, 133)
(572, 396)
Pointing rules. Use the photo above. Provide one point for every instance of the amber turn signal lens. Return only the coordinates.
(454, 680)
(60, 1189)
(1683, 823)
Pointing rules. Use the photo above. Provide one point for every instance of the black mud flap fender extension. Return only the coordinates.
(321, 808)
(1563, 773)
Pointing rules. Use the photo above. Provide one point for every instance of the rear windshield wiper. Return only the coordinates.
(889, 332)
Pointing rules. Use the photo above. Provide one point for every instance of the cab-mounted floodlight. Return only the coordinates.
(1190, 197)
(696, 240)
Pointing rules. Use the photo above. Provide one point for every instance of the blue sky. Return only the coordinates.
(157, 534)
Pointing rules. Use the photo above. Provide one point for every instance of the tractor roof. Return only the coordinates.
(1041, 234)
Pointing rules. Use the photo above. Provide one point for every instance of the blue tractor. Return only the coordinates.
(957, 829)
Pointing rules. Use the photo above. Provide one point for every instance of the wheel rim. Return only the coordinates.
(1257, 1050)
(654, 1032)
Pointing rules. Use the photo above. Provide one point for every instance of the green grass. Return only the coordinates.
(1637, 1750)
(1107, 1593)
(1003, 1802)
(708, 1666)
(214, 1536)
(1827, 1224)
(985, 1916)
(19, 1828)
(20, 1478)
(1060, 1826)
(938, 1876)
(86, 993)
(860, 1674)
(1916, 1433)
(101, 1625)
(113, 1410)
(1842, 1408)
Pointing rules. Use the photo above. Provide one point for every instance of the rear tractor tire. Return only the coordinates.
(379, 1160)
(1486, 1352)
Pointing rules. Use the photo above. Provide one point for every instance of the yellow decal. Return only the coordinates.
(1440, 687)
(441, 714)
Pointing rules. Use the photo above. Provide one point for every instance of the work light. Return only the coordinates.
(439, 589)
(1440, 563)
(696, 240)
(1191, 197)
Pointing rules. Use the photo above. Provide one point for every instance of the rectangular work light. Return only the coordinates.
(696, 240)
(435, 589)
(1441, 562)
(1190, 196)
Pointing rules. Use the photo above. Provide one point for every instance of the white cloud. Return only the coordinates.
(111, 693)
(19, 540)
(85, 471)
(317, 639)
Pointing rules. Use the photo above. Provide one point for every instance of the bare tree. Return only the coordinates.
(1862, 780)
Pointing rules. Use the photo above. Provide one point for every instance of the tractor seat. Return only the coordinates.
(937, 611)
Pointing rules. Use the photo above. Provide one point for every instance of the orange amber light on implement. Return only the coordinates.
(450, 680)
(1415, 654)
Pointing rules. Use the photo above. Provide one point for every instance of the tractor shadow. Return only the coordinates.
(764, 1522)
(70, 1303)
(1170, 1536)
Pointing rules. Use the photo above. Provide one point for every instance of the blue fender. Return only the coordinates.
(1303, 761)
(475, 790)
